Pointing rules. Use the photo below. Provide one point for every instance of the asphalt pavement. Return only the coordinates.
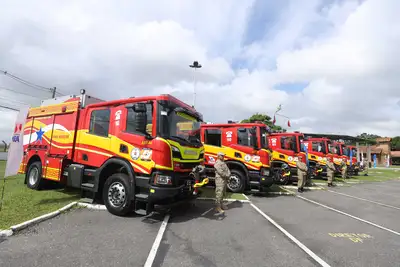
(194, 236)
(81, 238)
(337, 239)
(241, 238)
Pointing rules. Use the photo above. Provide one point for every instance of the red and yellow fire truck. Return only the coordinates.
(343, 151)
(286, 147)
(246, 153)
(127, 153)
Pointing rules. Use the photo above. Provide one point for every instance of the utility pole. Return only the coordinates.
(54, 91)
(195, 66)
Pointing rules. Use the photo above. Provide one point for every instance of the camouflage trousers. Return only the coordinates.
(220, 190)
(344, 173)
(330, 177)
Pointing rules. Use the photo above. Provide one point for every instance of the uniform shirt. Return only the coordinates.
(331, 166)
(221, 170)
(301, 166)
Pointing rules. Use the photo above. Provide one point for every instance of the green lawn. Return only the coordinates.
(374, 175)
(22, 204)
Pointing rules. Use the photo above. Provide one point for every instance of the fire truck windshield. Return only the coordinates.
(180, 126)
(289, 143)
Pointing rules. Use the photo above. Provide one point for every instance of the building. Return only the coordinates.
(382, 150)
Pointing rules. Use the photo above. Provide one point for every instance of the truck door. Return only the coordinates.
(93, 143)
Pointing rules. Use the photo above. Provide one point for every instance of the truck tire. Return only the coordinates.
(236, 182)
(34, 179)
(116, 195)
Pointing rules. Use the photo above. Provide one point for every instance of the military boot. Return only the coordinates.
(224, 207)
(219, 210)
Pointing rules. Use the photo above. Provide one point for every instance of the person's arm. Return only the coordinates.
(219, 169)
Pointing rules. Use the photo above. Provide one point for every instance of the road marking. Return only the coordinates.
(356, 238)
(207, 211)
(295, 240)
(349, 215)
(363, 199)
(245, 196)
(157, 242)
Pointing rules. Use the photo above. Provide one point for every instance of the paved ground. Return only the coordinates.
(242, 238)
(81, 238)
(195, 237)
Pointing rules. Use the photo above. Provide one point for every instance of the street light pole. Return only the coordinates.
(195, 66)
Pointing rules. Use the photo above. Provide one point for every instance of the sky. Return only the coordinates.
(333, 65)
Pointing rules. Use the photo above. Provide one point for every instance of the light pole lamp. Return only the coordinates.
(195, 66)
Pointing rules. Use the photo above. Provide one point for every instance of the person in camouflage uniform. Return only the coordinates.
(222, 174)
(301, 174)
(343, 166)
(366, 166)
(330, 168)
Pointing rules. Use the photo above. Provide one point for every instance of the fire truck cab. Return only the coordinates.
(127, 153)
(286, 147)
(246, 153)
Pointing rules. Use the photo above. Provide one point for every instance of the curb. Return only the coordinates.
(15, 228)
(92, 206)
(280, 193)
(306, 187)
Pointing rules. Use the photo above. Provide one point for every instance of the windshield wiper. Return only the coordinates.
(180, 138)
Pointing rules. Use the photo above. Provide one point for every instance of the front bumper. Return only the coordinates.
(182, 188)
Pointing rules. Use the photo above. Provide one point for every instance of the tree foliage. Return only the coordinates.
(265, 119)
(395, 143)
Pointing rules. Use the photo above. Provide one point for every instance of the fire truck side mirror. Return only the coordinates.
(253, 136)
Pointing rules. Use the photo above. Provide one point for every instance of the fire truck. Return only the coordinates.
(344, 151)
(127, 153)
(318, 151)
(246, 154)
(286, 147)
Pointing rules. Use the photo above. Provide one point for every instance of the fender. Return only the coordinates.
(239, 164)
(109, 164)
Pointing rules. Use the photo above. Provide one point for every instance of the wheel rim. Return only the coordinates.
(234, 182)
(33, 176)
(116, 194)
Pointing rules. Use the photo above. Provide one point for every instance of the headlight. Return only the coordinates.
(162, 179)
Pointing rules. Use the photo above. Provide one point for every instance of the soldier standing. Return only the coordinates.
(330, 168)
(222, 174)
(344, 169)
(301, 174)
(366, 166)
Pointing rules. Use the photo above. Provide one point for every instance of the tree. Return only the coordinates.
(395, 143)
(368, 136)
(265, 119)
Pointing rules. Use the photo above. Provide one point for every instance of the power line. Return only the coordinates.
(1, 106)
(30, 84)
(15, 91)
(12, 100)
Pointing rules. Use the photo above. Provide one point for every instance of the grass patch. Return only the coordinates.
(210, 193)
(22, 204)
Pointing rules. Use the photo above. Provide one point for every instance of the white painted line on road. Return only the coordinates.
(349, 215)
(207, 211)
(157, 242)
(364, 199)
(295, 240)
(245, 196)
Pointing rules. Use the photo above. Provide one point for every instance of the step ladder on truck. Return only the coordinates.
(126, 153)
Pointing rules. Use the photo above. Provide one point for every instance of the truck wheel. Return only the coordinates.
(117, 196)
(236, 182)
(34, 179)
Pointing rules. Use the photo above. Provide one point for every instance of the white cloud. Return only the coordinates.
(346, 52)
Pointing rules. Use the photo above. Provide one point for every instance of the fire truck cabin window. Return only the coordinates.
(100, 122)
(244, 137)
(212, 137)
(131, 122)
